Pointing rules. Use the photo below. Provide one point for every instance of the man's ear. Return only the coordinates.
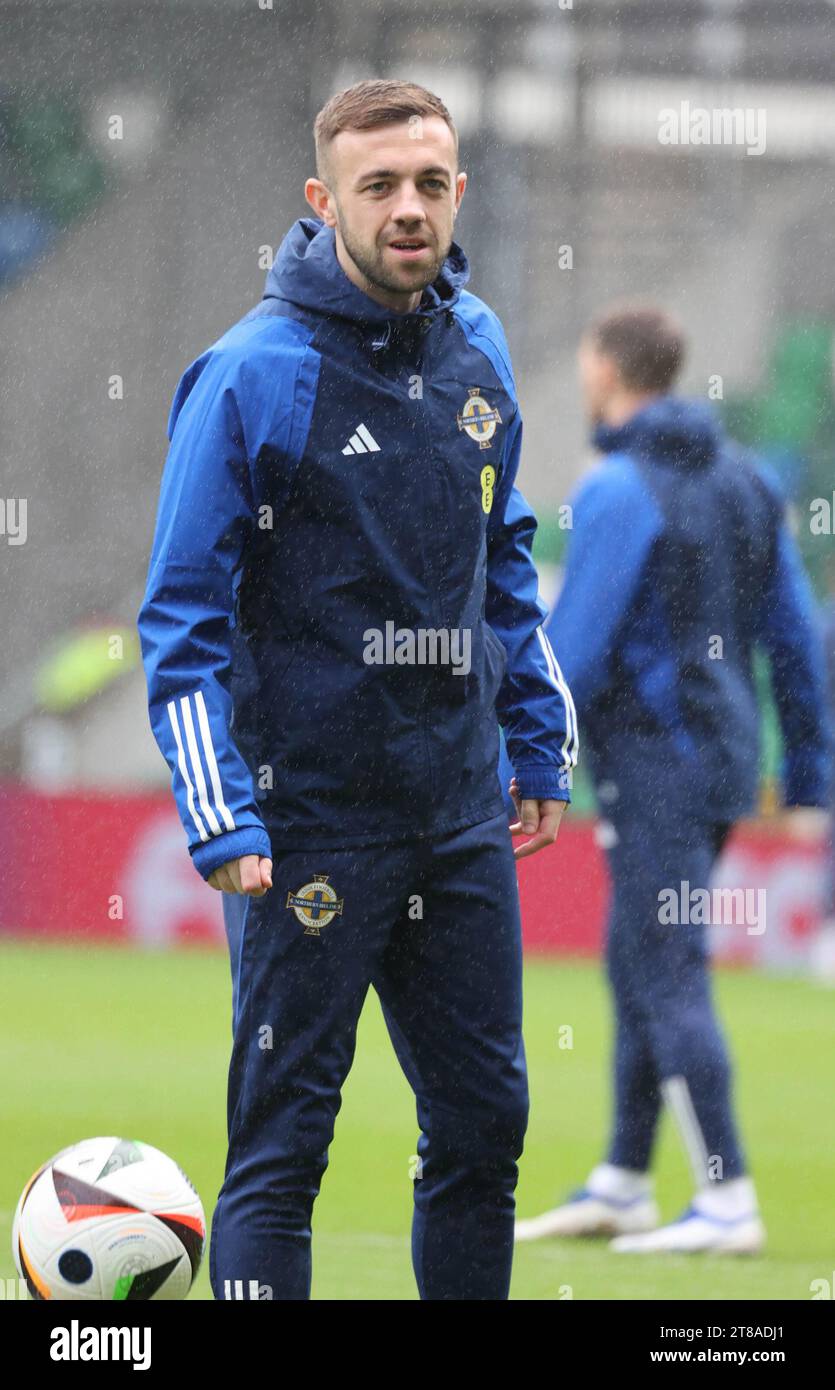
(611, 373)
(460, 186)
(319, 196)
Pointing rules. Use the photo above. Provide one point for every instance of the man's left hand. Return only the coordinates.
(541, 819)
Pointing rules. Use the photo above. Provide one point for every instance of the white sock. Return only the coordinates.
(728, 1200)
(607, 1180)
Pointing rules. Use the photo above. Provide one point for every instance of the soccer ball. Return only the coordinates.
(108, 1219)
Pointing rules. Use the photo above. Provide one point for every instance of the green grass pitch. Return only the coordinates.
(122, 1041)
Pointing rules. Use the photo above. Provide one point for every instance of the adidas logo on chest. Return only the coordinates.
(362, 442)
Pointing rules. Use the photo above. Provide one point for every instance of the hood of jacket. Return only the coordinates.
(669, 430)
(307, 273)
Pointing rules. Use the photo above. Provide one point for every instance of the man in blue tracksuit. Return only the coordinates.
(680, 563)
(341, 606)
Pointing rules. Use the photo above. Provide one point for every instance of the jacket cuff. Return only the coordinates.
(544, 783)
(233, 845)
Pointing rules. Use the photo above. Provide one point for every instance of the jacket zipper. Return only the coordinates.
(433, 582)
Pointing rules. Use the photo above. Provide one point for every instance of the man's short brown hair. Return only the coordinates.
(644, 341)
(369, 104)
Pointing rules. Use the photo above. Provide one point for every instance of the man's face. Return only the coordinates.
(599, 380)
(392, 197)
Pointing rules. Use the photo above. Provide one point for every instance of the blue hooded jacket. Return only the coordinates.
(339, 493)
(680, 564)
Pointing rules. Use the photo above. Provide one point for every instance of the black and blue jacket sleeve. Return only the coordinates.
(534, 704)
(204, 520)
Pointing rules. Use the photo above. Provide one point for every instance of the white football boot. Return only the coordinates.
(613, 1201)
(715, 1223)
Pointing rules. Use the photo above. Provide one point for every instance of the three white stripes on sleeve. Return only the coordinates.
(197, 766)
(571, 742)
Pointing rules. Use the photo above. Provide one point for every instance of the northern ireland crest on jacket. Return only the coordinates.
(479, 419)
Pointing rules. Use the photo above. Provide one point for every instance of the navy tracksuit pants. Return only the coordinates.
(668, 1043)
(433, 925)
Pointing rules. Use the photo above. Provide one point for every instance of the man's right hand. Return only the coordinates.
(251, 874)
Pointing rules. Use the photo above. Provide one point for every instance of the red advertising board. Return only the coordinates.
(97, 866)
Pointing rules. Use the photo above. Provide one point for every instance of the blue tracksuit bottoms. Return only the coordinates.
(433, 924)
(668, 1043)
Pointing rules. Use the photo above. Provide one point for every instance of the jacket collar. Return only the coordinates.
(669, 429)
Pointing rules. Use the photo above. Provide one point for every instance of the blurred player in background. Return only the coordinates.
(679, 563)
